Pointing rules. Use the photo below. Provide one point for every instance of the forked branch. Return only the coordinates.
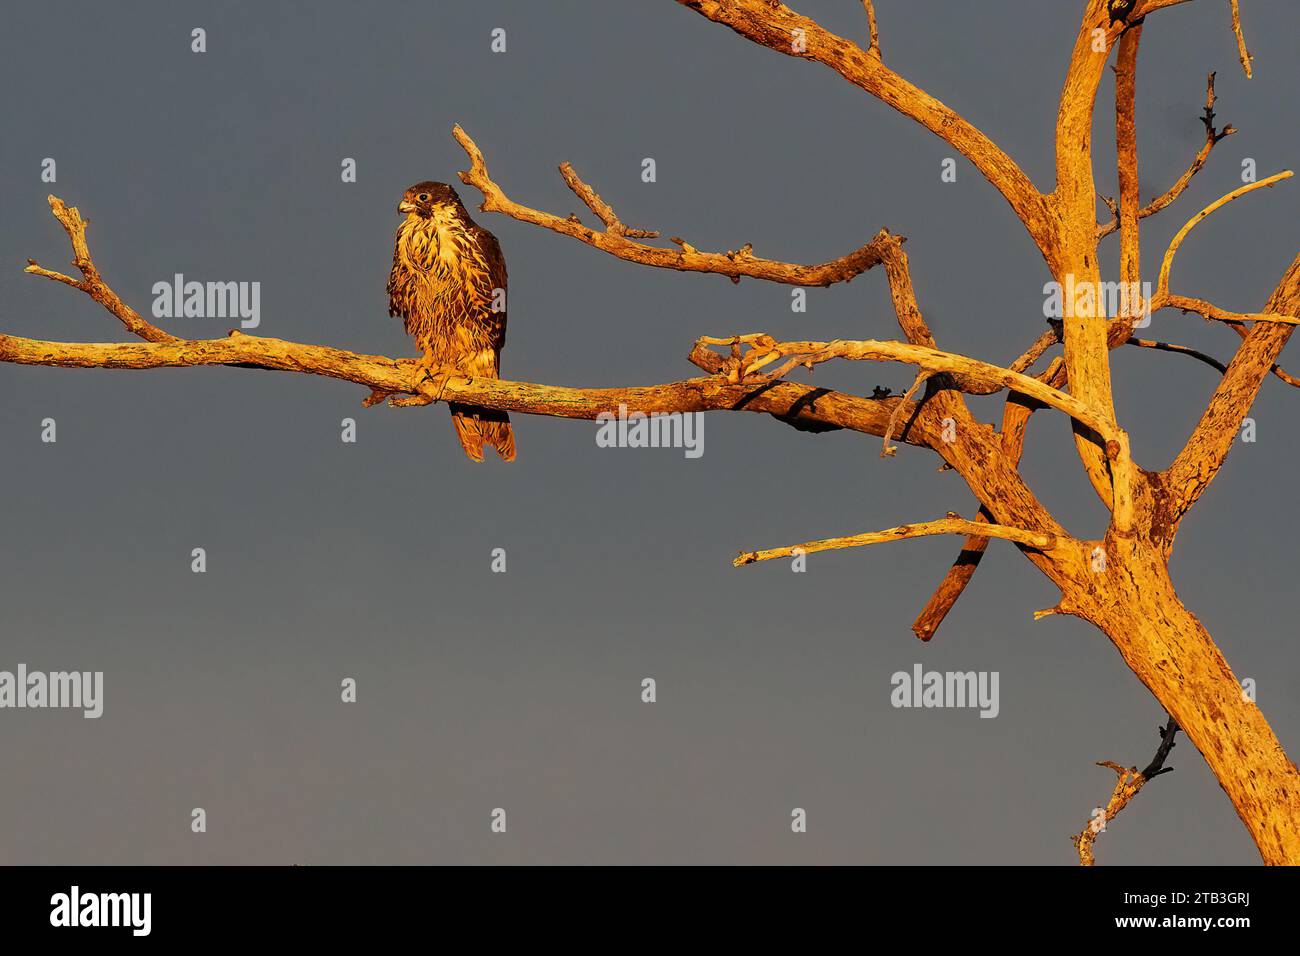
(763, 350)
(1015, 419)
(92, 283)
(1130, 782)
(619, 240)
(779, 28)
(1163, 297)
(802, 406)
(1212, 136)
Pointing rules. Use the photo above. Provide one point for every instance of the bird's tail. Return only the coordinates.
(476, 427)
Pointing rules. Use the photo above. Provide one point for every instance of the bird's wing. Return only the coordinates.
(395, 307)
(496, 265)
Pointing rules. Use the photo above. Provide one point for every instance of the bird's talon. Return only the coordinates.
(424, 368)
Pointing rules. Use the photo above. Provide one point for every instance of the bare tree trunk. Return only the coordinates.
(1175, 657)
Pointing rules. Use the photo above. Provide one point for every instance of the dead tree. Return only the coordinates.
(1120, 583)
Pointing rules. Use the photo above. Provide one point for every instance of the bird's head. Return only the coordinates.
(428, 198)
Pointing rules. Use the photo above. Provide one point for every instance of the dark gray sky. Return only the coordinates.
(521, 690)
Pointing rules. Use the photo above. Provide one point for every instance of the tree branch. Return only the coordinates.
(1111, 442)
(1207, 448)
(1212, 136)
(1277, 370)
(604, 212)
(954, 582)
(874, 47)
(787, 401)
(917, 331)
(92, 282)
(1127, 213)
(1242, 53)
(617, 239)
(949, 525)
(1153, 5)
(1015, 418)
(1075, 188)
(952, 404)
(974, 450)
(1086, 331)
(774, 25)
(1130, 781)
(1209, 310)
(1150, 6)
(801, 406)
(764, 350)
(1209, 360)
(1162, 295)
(1130, 256)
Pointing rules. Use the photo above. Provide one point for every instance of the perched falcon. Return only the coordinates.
(448, 283)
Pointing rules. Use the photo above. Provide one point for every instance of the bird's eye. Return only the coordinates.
(423, 197)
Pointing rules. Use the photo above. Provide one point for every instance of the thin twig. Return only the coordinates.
(1242, 53)
(601, 208)
(1162, 282)
(1209, 360)
(1130, 782)
(617, 239)
(1212, 136)
(949, 525)
(888, 450)
(874, 47)
(92, 283)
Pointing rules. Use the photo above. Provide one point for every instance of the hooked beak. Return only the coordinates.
(406, 206)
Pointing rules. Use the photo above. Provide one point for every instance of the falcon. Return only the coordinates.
(448, 285)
